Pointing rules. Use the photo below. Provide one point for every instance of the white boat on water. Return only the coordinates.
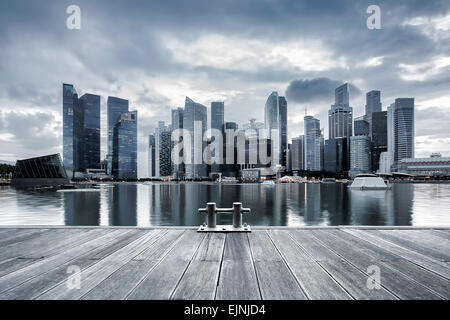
(369, 182)
(268, 183)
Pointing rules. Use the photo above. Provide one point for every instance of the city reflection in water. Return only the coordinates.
(279, 205)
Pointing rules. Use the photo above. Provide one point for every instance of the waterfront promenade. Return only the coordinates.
(268, 263)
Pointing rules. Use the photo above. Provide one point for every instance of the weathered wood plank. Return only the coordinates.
(409, 244)
(212, 248)
(29, 248)
(13, 264)
(155, 252)
(362, 258)
(429, 240)
(128, 237)
(426, 278)
(314, 280)
(424, 261)
(352, 279)
(200, 279)
(441, 233)
(41, 266)
(160, 282)
(43, 282)
(98, 272)
(68, 241)
(19, 235)
(276, 281)
(237, 279)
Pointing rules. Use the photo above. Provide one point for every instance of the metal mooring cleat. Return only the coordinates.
(211, 212)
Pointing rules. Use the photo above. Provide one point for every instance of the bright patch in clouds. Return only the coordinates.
(424, 71)
(250, 55)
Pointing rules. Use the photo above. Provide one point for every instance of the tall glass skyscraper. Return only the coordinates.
(275, 118)
(282, 105)
(359, 155)
(90, 142)
(313, 135)
(124, 162)
(151, 156)
(335, 155)
(81, 131)
(297, 153)
(194, 115)
(403, 128)
(218, 123)
(163, 162)
(70, 103)
(373, 102)
(361, 126)
(115, 107)
(177, 125)
(271, 113)
(340, 116)
(378, 135)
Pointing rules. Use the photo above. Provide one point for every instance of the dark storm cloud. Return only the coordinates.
(315, 89)
(122, 44)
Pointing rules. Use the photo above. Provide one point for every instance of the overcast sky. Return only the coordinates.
(155, 53)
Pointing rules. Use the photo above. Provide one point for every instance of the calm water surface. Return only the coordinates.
(279, 205)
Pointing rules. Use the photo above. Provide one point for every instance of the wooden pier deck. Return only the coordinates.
(179, 263)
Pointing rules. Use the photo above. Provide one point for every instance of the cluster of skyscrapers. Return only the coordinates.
(240, 148)
(374, 142)
(81, 136)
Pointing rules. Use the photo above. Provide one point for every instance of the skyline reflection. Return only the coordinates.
(164, 204)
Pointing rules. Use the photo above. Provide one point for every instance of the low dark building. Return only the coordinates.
(40, 171)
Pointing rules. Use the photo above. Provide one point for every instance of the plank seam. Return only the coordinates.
(289, 268)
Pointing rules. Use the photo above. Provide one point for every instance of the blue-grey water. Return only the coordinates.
(279, 205)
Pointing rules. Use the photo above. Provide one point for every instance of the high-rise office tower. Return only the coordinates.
(378, 135)
(340, 116)
(403, 128)
(70, 103)
(124, 159)
(194, 117)
(272, 125)
(151, 156)
(231, 150)
(217, 123)
(115, 107)
(335, 155)
(163, 163)
(282, 107)
(217, 115)
(177, 126)
(81, 131)
(373, 102)
(297, 153)
(361, 126)
(359, 155)
(271, 112)
(313, 137)
(387, 158)
(90, 142)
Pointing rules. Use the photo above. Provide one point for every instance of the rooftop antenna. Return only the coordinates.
(306, 111)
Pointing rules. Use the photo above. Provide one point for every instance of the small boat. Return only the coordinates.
(148, 183)
(328, 180)
(268, 183)
(369, 182)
